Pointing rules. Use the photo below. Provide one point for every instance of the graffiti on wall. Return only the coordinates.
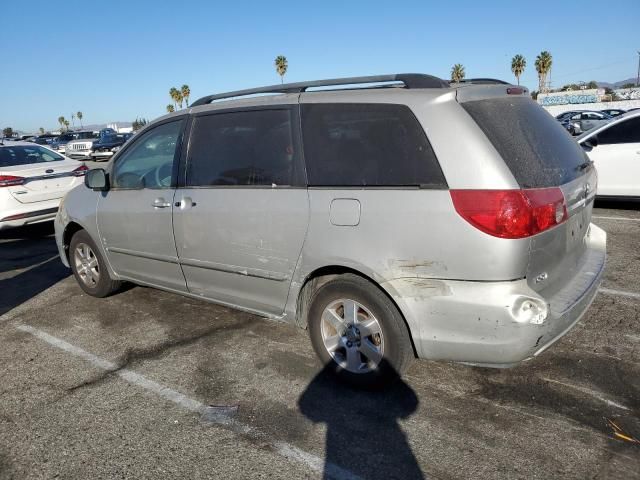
(571, 96)
(627, 93)
(566, 99)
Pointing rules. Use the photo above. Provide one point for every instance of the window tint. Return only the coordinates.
(25, 155)
(148, 163)
(242, 148)
(536, 148)
(367, 145)
(623, 132)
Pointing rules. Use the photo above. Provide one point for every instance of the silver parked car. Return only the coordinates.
(410, 219)
(584, 121)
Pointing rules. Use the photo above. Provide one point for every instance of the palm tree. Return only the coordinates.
(281, 66)
(179, 98)
(79, 115)
(518, 64)
(543, 67)
(173, 93)
(61, 121)
(41, 131)
(457, 73)
(185, 91)
(170, 108)
(66, 125)
(73, 117)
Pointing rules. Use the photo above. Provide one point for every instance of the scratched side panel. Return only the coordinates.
(240, 245)
(404, 233)
(408, 233)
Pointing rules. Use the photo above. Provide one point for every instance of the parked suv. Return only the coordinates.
(81, 149)
(447, 222)
(107, 145)
(60, 143)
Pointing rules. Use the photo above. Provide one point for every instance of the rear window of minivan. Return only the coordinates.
(537, 149)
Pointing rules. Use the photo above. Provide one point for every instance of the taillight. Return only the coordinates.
(511, 213)
(9, 180)
(80, 171)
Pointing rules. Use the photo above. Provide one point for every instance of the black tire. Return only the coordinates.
(105, 285)
(398, 351)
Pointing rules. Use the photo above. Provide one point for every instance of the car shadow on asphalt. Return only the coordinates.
(364, 437)
(617, 204)
(29, 264)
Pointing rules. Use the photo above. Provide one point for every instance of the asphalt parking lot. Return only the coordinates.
(147, 384)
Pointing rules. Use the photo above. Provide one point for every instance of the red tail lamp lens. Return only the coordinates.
(10, 180)
(80, 171)
(511, 213)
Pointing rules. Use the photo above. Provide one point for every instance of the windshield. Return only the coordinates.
(25, 155)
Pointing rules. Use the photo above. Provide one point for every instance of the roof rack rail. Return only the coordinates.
(410, 80)
(483, 81)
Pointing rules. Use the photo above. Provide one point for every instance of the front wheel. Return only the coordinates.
(358, 332)
(89, 267)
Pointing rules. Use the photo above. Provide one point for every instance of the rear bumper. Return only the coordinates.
(27, 217)
(102, 154)
(496, 324)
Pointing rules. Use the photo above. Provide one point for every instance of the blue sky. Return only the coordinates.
(116, 60)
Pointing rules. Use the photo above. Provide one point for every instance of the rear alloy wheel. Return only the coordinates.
(352, 336)
(89, 267)
(358, 332)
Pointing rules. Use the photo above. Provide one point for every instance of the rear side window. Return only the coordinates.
(367, 145)
(535, 147)
(623, 132)
(243, 148)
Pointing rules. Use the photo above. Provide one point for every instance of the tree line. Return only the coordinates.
(543, 64)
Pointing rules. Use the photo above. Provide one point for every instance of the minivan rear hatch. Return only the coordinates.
(541, 154)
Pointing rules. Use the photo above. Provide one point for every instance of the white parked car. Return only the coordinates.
(615, 149)
(33, 179)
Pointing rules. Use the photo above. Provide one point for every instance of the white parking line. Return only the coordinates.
(626, 219)
(588, 391)
(284, 449)
(621, 293)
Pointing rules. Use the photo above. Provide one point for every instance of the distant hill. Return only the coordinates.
(616, 84)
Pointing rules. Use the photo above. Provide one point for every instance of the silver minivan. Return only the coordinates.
(393, 217)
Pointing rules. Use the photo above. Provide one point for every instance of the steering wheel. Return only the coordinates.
(163, 175)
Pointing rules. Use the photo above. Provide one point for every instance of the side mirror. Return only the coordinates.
(591, 142)
(96, 180)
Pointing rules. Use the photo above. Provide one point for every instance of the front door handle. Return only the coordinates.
(160, 203)
(185, 203)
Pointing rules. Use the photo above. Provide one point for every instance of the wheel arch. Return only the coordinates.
(320, 276)
(69, 231)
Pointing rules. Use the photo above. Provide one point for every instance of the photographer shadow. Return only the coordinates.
(364, 438)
